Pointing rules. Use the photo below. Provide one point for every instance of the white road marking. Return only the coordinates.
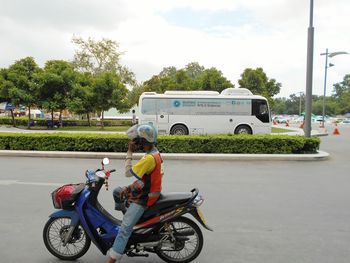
(7, 182)
(15, 182)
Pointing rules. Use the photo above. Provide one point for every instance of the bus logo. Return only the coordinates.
(177, 103)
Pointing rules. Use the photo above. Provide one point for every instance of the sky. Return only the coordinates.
(230, 35)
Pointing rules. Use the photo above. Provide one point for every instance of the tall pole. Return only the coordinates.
(309, 71)
(300, 92)
(326, 66)
(325, 87)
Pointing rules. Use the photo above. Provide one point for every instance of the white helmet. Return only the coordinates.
(145, 131)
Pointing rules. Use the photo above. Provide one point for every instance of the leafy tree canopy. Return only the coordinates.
(342, 94)
(19, 80)
(192, 77)
(97, 57)
(258, 83)
(55, 83)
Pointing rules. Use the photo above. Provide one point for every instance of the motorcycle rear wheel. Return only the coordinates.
(53, 235)
(186, 251)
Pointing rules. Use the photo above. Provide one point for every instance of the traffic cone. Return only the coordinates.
(336, 130)
(301, 125)
(287, 123)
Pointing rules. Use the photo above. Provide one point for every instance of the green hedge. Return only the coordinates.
(166, 144)
(23, 121)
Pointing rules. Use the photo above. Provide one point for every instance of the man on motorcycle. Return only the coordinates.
(143, 192)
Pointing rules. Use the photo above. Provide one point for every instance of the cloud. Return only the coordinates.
(65, 14)
(230, 35)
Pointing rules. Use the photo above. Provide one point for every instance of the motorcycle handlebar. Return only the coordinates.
(112, 171)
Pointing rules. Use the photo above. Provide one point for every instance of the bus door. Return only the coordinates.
(163, 116)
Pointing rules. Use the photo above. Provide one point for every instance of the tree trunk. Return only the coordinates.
(60, 119)
(102, 124)
(29, 117)
(13, 119)
(52, 120)
(88, 117)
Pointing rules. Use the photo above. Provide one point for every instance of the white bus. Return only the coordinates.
(233, 111)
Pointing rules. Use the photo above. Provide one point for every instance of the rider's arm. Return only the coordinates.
(128, 164)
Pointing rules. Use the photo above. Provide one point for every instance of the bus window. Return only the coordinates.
(148, 106)
(163, 106)
(260, 110)
(199, 106)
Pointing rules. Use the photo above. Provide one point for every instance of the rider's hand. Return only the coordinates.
(132, 146)
(124, 193)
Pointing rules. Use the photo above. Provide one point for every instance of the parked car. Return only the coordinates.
(280, 119)
(319, 118)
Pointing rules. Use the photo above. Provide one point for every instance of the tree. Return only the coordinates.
(257, 82)
(192, 77)
(97, 57)
(291, 105)
(168, 72)
(194, 70)
(134, 94)
(5, 87)
(342, 94)
(81, 99)
(213, 79)
(23, 90)
(109, 92)
(279, 106)
(55, 84)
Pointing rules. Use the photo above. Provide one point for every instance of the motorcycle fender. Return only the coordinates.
(195, 214)
(73, 215)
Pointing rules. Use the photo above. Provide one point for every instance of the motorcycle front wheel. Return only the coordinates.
(54, 234)
(183, 241)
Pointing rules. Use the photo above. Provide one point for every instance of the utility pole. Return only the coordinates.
(309, 72)
(300, 93)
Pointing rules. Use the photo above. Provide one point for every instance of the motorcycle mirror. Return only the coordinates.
(105, 161)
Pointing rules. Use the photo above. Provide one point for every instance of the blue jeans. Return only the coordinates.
(131, 217)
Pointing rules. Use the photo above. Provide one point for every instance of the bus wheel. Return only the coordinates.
(243, 129)
(179, 129)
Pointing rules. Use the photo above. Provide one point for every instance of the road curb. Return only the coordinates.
(319, 156)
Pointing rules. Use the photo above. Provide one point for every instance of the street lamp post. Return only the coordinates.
(328, 55)
(309, 71)
(300, 93)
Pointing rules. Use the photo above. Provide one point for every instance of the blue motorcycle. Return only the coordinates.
(162, 230)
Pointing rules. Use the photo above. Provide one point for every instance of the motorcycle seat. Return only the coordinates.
(166, 201)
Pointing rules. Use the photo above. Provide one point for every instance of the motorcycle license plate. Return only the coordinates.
(201, 215)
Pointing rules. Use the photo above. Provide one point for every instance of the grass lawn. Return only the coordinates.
(82, 128)
(279, 130)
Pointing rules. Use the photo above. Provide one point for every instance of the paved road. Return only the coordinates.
(261, 211)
